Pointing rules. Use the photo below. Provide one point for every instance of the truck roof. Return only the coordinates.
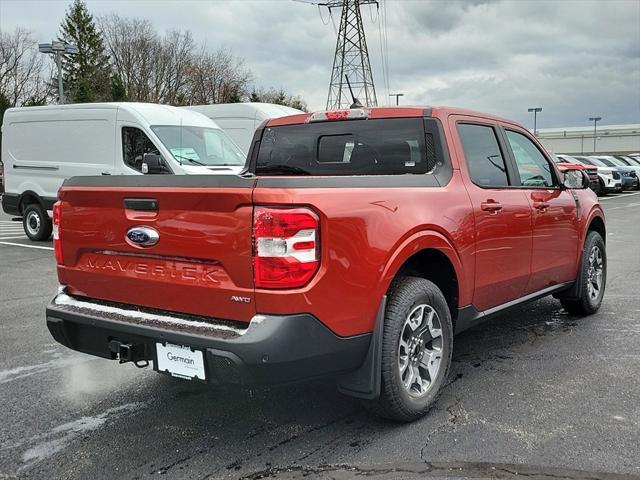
(397, 112)
(153, 113)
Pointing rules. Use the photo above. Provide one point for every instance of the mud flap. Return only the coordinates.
(575, 292)
(365, 382)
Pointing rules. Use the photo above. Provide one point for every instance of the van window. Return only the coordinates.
(199, 145)
(134, 145)
(483, 156)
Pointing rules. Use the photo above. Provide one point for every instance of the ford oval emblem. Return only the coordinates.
(142, 236)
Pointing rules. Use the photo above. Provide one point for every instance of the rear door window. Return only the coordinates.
(483, 155)
(354, 147)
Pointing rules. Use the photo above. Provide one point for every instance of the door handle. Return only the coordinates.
(106, 173)
(542, 206)
(491, 206)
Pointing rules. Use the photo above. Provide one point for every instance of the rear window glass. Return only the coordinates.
(356, 147)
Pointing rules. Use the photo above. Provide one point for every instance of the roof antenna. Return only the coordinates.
(356, 103)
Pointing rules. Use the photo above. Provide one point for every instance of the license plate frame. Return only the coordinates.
(181, 361)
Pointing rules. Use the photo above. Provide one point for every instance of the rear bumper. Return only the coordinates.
(273, 349)
(10, 204)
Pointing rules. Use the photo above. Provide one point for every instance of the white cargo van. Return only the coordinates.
(240, 120)
(42, 146)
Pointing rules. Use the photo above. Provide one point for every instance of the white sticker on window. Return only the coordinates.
(185, 153)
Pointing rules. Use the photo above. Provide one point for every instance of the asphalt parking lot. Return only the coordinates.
(535, 393)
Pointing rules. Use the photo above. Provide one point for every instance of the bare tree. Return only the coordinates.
(279, 97)
(131, 43)
(217, 77)
(21, 69)
(172, 59)
(151, 68)
(168, 69)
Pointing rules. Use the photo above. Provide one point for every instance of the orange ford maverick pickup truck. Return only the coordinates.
(355, 244)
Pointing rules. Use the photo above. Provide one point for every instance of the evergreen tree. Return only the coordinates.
(118, 92)
(87, 75)
(255, 97)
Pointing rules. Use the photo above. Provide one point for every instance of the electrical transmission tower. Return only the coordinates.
(351, 58)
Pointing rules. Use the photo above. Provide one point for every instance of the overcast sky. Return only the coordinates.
(574, 58)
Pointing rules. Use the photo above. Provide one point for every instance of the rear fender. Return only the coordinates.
(427, 239)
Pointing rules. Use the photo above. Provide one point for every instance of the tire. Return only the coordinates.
(36, 223)
(589, 301)
(411, 302)
(602, 190)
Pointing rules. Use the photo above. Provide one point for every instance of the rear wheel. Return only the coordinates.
(416, 349)
(36, 222)
(593, 275)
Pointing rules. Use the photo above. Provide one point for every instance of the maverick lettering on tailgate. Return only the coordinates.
(156, 269)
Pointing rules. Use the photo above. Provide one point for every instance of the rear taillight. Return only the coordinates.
(57, 246)
(285, 251)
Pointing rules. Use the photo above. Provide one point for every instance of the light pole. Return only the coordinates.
(535, 111)
(595, 121)
(57, 48)
(397, 95)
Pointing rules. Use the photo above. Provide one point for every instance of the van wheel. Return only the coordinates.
(416, 349)
(593, 274)
(36, 223)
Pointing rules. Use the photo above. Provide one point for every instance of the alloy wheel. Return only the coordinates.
(595, 273)
(420, 350)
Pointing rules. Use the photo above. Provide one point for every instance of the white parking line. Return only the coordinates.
(13, 238)
(622, 195)
(26, 246)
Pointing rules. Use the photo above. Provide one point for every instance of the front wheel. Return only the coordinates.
(593, 275)
(416, 349)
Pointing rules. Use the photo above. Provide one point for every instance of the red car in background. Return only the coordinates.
(592, 171)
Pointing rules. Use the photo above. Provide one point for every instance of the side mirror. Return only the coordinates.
(576, 179)
(152, 163)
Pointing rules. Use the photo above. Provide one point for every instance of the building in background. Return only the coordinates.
(615, 139)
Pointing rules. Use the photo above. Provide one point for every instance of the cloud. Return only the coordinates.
(573, 58)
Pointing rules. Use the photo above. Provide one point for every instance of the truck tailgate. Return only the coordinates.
(201, 263)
